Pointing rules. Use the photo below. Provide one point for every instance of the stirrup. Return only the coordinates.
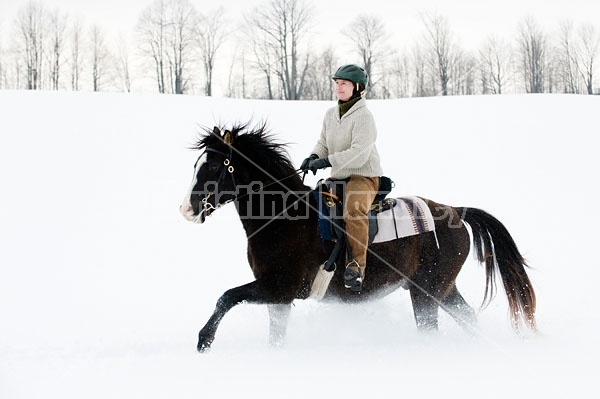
(352, 278)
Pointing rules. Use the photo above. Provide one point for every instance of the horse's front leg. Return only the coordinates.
(253, 292)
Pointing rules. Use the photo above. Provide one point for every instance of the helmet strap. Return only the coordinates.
(358, 89)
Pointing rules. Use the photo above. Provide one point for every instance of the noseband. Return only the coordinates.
(228, 169)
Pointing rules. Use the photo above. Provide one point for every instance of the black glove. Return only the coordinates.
(317, 164)
(304, 165)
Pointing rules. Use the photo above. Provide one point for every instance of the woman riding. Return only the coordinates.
(347, 145)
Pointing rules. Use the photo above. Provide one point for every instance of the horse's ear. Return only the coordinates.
(216, 131)
(228, 137)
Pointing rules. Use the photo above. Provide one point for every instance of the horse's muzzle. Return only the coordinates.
(187, 211)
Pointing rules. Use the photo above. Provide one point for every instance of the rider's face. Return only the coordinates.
(343, 89)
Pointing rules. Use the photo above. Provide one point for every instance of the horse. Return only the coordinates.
(247, 167)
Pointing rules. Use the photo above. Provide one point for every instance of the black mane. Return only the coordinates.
(255, 146)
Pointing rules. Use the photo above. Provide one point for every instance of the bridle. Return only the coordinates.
(228, 171)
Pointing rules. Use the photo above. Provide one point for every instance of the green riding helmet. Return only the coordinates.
(353, 73)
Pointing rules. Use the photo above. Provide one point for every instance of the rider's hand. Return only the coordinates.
(304, 165)
(317, 164)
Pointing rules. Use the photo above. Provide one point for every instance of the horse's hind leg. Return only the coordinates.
(425, 308)
(278, 319)
(459, 309)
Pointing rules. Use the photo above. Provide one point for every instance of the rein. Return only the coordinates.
(230, 169)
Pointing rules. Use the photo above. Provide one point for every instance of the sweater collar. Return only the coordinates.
(348, 107)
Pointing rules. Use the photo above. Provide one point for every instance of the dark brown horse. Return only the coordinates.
(285, 250)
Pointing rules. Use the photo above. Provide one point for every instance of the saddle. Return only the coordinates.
(329, 195)
(389, 218)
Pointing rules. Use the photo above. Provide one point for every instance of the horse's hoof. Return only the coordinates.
(204, 344)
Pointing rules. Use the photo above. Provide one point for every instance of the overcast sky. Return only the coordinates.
(470, 20)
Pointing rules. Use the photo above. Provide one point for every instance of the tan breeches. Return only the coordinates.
(360, 193)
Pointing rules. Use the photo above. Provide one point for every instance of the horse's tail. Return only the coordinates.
(497, 250)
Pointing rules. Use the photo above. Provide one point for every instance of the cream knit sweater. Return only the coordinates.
(349, 142)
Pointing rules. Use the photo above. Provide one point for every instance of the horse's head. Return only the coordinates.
(213, 183)
(240, 160)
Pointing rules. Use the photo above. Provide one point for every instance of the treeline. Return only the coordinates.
(272, 55)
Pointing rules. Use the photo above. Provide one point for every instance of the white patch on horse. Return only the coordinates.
(186, 206)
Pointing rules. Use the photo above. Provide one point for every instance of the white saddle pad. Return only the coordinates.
(410, 216)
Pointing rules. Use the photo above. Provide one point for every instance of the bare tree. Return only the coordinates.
(320, 74)
(182, 18)
(17, 71)
(420, 68)
(494, 65)
(57, 27)
(282, 26)
(123, 66)
(99, 57)
(590, 48)
(210, 35)
(151, 29)
(264, 56)
(76, 53)
(567, 58)
(443, 52)
(400, 75)
(237, 81)
(31, 36)
(166, 35)
(552, 71)
(464, 75)
(532, 48)
(368, 35)
(4, 81)
(2, 62)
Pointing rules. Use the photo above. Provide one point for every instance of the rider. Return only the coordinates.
(347, 145)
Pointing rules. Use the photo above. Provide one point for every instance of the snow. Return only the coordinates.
(104, 285)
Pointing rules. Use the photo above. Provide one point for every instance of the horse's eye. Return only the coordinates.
(213, 167)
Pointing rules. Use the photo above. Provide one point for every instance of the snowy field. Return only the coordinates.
(104, 285)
